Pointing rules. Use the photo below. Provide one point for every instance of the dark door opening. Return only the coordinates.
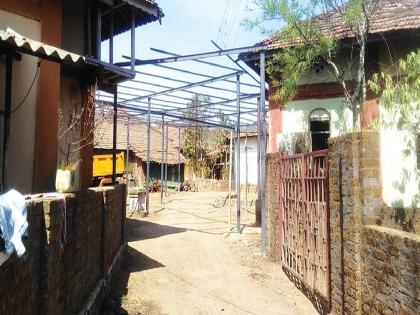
(319, 126)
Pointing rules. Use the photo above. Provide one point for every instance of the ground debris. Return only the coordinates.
(220, 202)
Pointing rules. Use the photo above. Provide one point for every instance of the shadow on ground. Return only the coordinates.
(134, 261)
(137, 230)
(321, 305)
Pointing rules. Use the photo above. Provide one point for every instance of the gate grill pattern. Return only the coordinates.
(304, 214)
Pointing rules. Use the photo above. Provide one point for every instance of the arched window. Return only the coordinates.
(319, 126)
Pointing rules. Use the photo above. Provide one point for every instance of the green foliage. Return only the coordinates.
(399, 88)
(306, 44)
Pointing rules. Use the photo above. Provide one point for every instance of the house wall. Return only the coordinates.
(320, 84)
(399, 169)
(252, 143)
(74, 23)
(21, 142)
(327, 95)
(48, 14)
(70, 104)
(155, 172)
(296, 115)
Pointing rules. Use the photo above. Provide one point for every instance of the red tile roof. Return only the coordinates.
(390, 15)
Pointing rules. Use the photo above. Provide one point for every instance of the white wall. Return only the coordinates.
(400, 174)
(252, 161)
(20, 158)
(296, 114)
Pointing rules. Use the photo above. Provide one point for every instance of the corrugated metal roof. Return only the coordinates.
(14, 39)
(148, 6)
(108, 74)
(145, 11)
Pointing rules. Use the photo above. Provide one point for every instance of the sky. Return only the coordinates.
(188, 27)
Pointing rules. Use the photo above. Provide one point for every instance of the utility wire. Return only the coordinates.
(30, 88)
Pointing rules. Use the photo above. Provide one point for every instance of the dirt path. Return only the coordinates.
(181, 260)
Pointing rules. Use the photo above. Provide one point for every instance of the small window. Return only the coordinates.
(319, 126)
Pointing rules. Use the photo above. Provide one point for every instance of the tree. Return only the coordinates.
(399, 89)
(203, 146)
(307, 42)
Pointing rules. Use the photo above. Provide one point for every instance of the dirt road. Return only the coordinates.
(181, 260)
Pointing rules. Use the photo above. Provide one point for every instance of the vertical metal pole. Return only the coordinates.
(179, 158)
(166, 161)
(89, 27)
(162, 160)
(127, 160)
(133, 39)
(114, 137)
(246, 172)
(263, 143)
(149, 105)
(230, 178)
(111, 39)
(258, 147)
(6, 123)
(238, 154)
(98, 33)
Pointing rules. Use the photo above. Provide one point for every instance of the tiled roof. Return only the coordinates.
(138, 139)
(390, 15)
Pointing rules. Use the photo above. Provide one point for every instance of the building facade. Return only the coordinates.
(50, 57)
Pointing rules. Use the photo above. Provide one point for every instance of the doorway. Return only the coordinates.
(319, 126)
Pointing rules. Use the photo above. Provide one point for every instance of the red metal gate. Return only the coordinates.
(305, 239)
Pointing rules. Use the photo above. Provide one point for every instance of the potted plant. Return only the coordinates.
(77, 125)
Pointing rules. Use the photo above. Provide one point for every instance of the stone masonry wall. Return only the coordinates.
(57, 275)
(273, 206)
(374, 264)
(390, 268)
(212, 185)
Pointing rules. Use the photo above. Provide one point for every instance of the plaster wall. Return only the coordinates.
(19, 164)
(48, 13)
(70, 104)
(399, 170)
(296, 114)
(324, 74)
(252, 143)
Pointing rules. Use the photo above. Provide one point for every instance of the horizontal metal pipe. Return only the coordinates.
(201, 74)
(236, 63)
(249, 96)
(188, 86)
(176, 116)
(185, 91)
(233, 51)
(175, 108)
(186, 82)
